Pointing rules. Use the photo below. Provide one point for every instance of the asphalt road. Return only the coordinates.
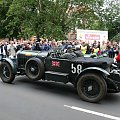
(42, 100)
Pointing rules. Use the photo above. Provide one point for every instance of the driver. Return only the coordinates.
(69, 53)
(78, 52)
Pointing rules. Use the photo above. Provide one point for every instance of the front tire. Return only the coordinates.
(91, 87)
(6, 72)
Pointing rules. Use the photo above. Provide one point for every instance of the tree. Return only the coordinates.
(4, 7)
(19, 16)
(116, 38)
(55, 18)
(110, 15)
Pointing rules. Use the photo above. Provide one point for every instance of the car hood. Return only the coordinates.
(97, 61)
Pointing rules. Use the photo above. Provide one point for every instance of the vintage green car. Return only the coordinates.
(92, 77)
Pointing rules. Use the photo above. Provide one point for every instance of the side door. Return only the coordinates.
(57, 65)
(73, 68)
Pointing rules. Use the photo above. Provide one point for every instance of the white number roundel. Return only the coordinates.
(76, 69)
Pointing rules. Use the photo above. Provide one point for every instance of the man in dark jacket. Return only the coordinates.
(3, 50)
(69, 53)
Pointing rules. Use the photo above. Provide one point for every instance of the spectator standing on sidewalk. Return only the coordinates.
(2, 49)
(117, 57)
(83, 48)
(18, 46)
(103, 47)
(12, 50)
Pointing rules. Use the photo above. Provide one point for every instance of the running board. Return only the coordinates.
(56, 76)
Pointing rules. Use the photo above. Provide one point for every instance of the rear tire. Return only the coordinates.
(6, 72)
(34, 69)
(91, 87)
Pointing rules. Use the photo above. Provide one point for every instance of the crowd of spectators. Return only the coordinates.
(10, 48)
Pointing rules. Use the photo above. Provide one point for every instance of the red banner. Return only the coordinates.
(92, 37)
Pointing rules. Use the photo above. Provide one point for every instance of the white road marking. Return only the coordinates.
(93, 112)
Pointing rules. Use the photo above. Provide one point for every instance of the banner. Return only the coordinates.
(90, 36)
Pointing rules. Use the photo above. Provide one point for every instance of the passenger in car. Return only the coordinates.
(69, 53)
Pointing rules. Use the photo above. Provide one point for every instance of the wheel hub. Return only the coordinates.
(32, 69)
(90, 88)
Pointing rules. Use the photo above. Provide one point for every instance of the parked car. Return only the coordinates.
(92, 77)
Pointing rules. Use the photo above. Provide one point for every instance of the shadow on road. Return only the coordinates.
(60, 89)
(49, 87)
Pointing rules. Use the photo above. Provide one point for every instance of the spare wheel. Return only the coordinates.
(34, 68)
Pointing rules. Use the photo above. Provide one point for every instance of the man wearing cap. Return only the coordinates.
(69, 53)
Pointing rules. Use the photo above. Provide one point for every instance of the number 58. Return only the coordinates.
(76, 69)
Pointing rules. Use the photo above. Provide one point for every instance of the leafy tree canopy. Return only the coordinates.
(55, 18)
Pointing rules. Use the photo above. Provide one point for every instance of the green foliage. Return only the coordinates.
(55, 18)
(4, 7)
(111, 18)
(116, 38)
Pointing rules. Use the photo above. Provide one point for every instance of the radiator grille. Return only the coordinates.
(22, 60)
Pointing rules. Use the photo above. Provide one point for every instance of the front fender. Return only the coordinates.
(93, 70)
(12, 63)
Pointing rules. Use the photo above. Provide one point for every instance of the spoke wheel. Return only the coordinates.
(91, 87)
(6, 73)
(34, 69)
